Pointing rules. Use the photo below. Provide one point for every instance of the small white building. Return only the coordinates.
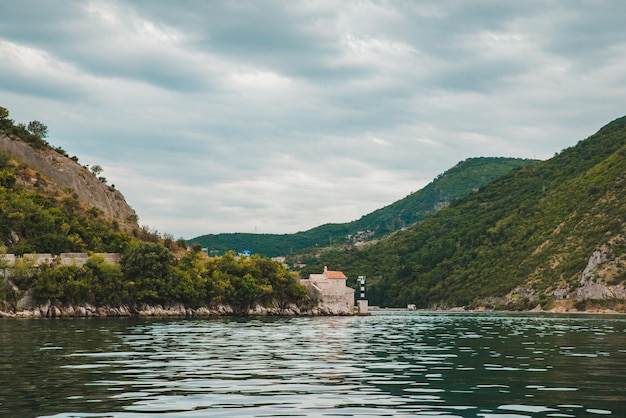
(330, 291)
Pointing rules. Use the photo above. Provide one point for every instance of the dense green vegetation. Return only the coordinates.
(535, 228)
(455, 183)
(150, 274)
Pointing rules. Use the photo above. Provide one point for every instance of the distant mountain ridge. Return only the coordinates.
(455, 183)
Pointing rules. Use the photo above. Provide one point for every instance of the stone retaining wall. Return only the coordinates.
(65, 259)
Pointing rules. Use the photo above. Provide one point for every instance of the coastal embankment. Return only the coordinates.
(50, 310)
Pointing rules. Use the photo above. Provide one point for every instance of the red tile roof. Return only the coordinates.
(334, 275)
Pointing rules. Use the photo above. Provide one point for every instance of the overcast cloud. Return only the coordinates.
(279, 116)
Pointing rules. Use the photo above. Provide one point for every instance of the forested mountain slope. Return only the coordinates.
(456, 182)
(549, 231)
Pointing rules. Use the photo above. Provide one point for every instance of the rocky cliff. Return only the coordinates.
(61, 173)
(597, 281)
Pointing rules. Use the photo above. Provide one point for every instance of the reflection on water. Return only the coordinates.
(387, 364)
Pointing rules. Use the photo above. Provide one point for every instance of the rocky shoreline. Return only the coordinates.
(558, 309)
(180, 311)
(49, 310)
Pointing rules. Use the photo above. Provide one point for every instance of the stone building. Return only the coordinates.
(330, 291)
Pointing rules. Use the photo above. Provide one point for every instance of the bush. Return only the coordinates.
(148, 265)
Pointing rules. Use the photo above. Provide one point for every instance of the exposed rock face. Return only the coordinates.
(63, 173)
(28, 307)
(48, 310)
(592, 285)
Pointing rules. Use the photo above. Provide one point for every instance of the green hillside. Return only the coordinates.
(455, 183)
(522, 239)
(39, 215)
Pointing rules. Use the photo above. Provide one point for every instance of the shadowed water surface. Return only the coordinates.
(388, 364)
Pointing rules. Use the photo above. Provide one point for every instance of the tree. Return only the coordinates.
(48, 282)
(149, 266)
(7, 179)
(5, 122)
(37, 128)
(96, 169)
(182, 243)
(246, 291)
(108, 284)
(23, 272)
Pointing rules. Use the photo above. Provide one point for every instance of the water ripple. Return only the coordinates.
(389, 364)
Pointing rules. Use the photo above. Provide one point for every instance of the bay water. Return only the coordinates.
(387, 364)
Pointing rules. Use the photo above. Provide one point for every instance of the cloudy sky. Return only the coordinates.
(279, 116)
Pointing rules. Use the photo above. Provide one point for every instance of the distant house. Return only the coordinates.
(331, 292)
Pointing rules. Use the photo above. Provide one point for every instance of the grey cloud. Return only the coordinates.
(223, 116)
(102, 51)
(38, 88)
